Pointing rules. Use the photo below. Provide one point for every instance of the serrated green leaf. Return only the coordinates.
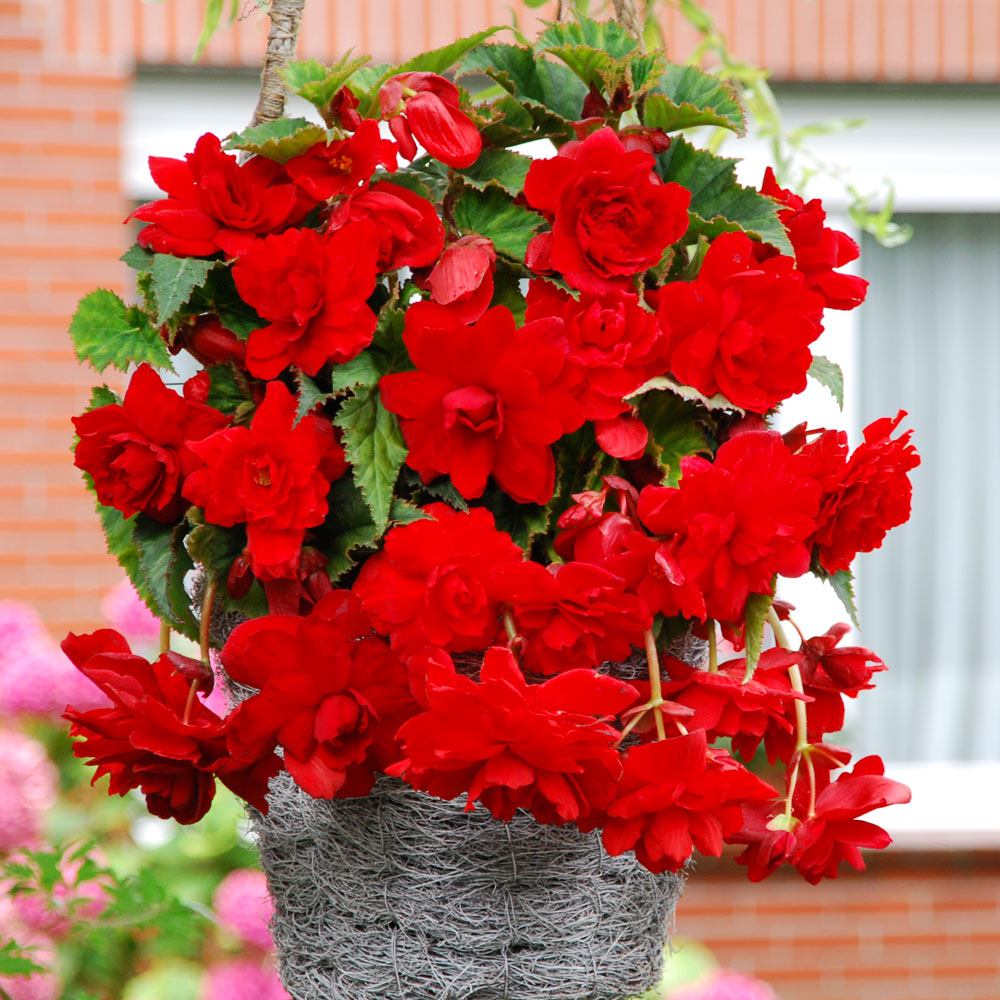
(173, 281)
(375, 448)
(607, 36)
(830, 375)
(101, 395)
(138, 258)
(157, 545)
(229, 391)
(685, 392)
(524, 522)
(309, 395)
(405, 513)
(348, 529)
(360, 371)
(280, 140)
(595, 67)
(318, 84)
(219, 296)
(442, 59)
(441, 489)
(719, 203)
(687, 96)
(758, 606)
(492, 214)
(843, 586)
(498, 168)
(675, 432)
(536, 82)
(214, 548)
(106, 332)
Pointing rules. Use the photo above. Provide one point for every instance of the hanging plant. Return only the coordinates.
(476, 433)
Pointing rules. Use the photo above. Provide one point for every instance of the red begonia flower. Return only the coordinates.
(345, 166)
(865, 495)
(407, 226)
(312, 289)
(614, 344)
(425, 107)
(742, 328)
(138, 453)
(215, 204)
(847, 669)
(571, 615)
(462, 280)
(510, 745)
(331, 694)
(676, 795)
(272, 476)
(612, 217)
(154, 736)
(728, 528)
(819, 250)
(485, 399)
(431, 583)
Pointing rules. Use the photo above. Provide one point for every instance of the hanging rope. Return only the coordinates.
(286, 16)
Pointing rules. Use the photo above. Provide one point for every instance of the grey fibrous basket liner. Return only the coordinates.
(401, 896)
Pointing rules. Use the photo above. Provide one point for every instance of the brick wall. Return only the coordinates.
(914, 927)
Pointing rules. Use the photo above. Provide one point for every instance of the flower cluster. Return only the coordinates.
(475, 437)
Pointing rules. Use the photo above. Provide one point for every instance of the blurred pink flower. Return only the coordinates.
(125, 611)
(244, 908)
(42, 682)
(67, 903)
(42, 985)
(242, 979)
(726, 985)
(28, 783)
(20, 624)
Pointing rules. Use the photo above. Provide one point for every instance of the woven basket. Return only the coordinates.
(402, 896)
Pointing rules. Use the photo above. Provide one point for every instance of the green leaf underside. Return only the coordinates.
(686, 97)
(318, 84)
(360, 372)
(535, 81)
(675, 432)
(758, 605)
(173, 281)
(843, 586)
(107, 333)
(498, 168)
(492, 214)
(163, 563)
(718, 203)
(138, 258)
(280, 140)
(685, 392)
(829, 375)
(375, 448)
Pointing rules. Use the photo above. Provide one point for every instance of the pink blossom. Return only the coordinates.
(68, 902)
(726, 985)
(39, 681)
(28, 782)
(125, 611)
(20, 624)
(244, 908)
(242, 979)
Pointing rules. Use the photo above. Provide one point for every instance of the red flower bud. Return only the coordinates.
(462, 280)
(197, 388)
(343, 109)
(211, 343)
(646, 140)
(240, 578)
(193, 670)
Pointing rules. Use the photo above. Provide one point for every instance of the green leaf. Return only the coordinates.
(348, 529)
(163, 564)
(318, 84)
(687, 96)
(280, 140)
(310, 395)
(492, 214)
(718, 203)
(214, 548)
(424, 172)
(138, 258)
(843, 586)
(15, 960)
(403, 512)
(533, 81)
(607, 36)
(107, 332)
(598, 52)
(439, 60)
(220, 296)
(174, 279)
(829, 374)
(675, 432)
(498, 168)
(229, 391)
(685, 392)
(101, 395)
(758, 606)
(213, 14)
(119, 538)
(375, 448)
(360, 371)
(524, 522)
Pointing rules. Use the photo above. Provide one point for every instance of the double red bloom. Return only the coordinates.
(729, 528)
(432, 583)
(215, 204)
(156, 737)
(676, 795)
(332, 695)
(272, 476)
(486, 399)
(612, 217)
(313, 290)
(742, 328)
(512, 745)
(138, 453)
